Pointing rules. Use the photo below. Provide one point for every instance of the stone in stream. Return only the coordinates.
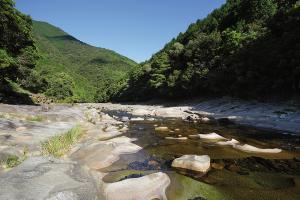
(137, 119)
(176, 138)
(147, 188)
(162, 128)
(193, 162)
(125, 119)
(211, 136)
(144, 112)
(231, 142)
(252, 149)
(246, 147)
(193, 137)
(47, 178)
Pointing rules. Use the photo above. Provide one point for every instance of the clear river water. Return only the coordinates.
(234, 174)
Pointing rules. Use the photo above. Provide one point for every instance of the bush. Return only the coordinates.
(61, 86)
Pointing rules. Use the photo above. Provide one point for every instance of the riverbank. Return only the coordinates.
(277, 116)
(132, 146)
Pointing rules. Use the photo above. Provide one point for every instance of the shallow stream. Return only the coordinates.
(234, 174)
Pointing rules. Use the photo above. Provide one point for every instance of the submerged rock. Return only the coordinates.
(194, 137)
(218, 166)
(162, 128)
(176, 138)
(147, 188)
(193, 162)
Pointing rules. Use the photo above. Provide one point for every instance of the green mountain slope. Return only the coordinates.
(246, 48)
(89, 68)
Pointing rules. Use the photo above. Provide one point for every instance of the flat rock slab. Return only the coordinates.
(47, 178)
(193, 162)
(101, 154)
(148, 187)
(19, 135)
(66, 113)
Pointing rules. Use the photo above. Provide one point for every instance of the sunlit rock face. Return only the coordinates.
(148, 187)
(211, 136)
(193, 162)
(101, 154)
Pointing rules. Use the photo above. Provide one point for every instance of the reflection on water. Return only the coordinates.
(234, 174)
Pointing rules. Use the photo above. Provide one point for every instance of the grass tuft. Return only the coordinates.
(35, 118)
(61, 144)
(13, 161)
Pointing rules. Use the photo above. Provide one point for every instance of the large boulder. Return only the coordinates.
(193, 162)
(47, 178)
(148, 187)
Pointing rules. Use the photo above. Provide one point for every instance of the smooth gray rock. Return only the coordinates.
(48, 178)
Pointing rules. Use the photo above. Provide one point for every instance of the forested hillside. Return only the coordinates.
(76, 70)
(36, 57)
(246, 48)
(18, 54)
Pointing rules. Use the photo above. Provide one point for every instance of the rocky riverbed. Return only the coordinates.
(152, 152)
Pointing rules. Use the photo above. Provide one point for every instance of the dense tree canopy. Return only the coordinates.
(246, 48)
(18, 54)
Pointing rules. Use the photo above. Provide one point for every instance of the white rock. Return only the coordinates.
(211, 136)
(148, 187)
(142, 112)
(176, 138)
(193, 162)
(252, 149)
(137, 119)
(231, 142)
(125, 119)
(205, 119)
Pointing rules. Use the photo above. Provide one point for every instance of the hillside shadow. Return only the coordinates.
(9, 96)
(65, 37)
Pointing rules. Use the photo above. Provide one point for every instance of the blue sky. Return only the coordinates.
(134, 28)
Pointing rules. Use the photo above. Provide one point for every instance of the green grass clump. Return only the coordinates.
(35, 118)
(12, 161)
(61, 144)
